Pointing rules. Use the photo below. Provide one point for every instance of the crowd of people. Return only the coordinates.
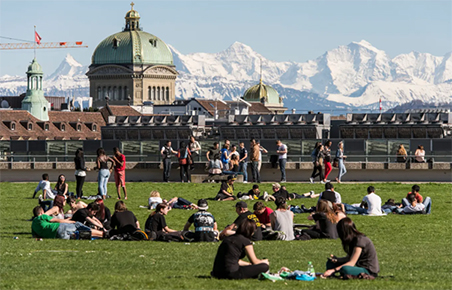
(331, 217)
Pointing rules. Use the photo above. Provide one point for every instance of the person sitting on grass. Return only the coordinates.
(325, 221)
(215, 166)
(233, 166)
(282, 219)
(228, 262)
(61, 186)
(72, 202)
(330, 194)
(263, 213)
(205, 224)
(251, 194)
(103, 214)
(44, 226)
(58, 207)
(226, 190)
(156, 226)
(278, 191)
(123, 221)
(361, 254)
(154, 199)
(87, 216)
(241, 208)
(414, 190)
(47, 193)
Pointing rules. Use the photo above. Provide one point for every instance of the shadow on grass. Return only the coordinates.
(203, 277)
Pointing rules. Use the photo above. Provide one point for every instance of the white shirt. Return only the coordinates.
(154, 201)
(44, 185)
(410, 209)
(373, 204)
(282, 148)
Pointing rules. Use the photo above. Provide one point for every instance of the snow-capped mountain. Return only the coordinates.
(349, 76)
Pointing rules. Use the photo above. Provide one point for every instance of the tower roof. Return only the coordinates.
(132, 46)
(262, 93)
(34, 67)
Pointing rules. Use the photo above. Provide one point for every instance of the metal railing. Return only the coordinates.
(151, 158)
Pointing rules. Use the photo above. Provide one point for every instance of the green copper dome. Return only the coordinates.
(262, 93)
(132, 46)
(34, 68)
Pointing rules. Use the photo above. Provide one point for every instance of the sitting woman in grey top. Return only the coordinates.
(282, 219)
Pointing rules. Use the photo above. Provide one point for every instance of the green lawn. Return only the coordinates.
(414, 249)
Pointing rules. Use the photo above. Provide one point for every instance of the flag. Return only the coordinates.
(380, 104)
(37, 38)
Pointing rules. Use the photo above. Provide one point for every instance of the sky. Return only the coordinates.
(279, 30)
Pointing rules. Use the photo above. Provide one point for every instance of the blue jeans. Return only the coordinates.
(232, 173)
(282, 167)
(65, 231)
(46, 204)
(166, 169)
(350, 209)
(342, 169)
(427, 203)
(102, 179)
(255, 171)
(243, 168)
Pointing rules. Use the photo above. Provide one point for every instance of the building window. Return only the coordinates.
(63, 127)
(46, 127)
(94, 128)
(13, 126)
(79, 127)
(30, 126)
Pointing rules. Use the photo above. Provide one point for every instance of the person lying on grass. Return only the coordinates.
(58, 207)
(175, 202)
(75, 206)
(361, 254)
(87, 216)
(156, 226)
(44, 226)
(228, 262)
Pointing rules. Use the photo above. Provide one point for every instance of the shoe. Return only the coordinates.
(311, 179)
(40, 198)
(265, 196)
(245, 181)
(322, 182)
(311, 193)
(283, 181)
(326, 180)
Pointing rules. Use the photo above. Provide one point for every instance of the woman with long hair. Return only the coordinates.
(58, 207)
(123, 220)
(156, 225)
(419, 154)
(325, 219)
(184, 156)
(318, 163)
(228, 261)
(103, 214)
(104, 172)
(61, 186)
(341, 158)
(361, 254)
(80, 171)
(327, 159)
(401, 154)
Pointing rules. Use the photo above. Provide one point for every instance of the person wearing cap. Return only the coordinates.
(278, 191)
(241, 208)
(226, 190)
(205, 224)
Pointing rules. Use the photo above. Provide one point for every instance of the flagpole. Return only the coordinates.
(34, 46)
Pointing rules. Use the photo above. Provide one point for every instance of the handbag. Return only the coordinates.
(336, 162)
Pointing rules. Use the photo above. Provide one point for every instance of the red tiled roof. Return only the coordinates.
(210, 105)
(258, 109)
(70, 120)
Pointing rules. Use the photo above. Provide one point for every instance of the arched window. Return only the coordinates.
(13, 126)
(46, 127)
(94, 128)
(153, 94)
(158, 93)
(120, 93)
(167, 94)
(79, 127)
(99, 93)
(30, 126)
(63, 127)
(149, 93)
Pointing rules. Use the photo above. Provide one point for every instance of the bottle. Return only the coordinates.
(311, 271)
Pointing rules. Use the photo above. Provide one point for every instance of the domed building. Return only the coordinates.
(132, 64)
(266, 95)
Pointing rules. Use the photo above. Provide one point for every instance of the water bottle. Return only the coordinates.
(311, 271)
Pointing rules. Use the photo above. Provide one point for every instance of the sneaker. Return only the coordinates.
(326, 180)
(245, 181)
(311, 179)
(311, 192)
(40, 198)
(265, 196)
(322, 182)
(283, 181)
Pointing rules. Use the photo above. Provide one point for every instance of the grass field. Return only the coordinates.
(414, 249)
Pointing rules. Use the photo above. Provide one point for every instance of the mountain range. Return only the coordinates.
(348, 78)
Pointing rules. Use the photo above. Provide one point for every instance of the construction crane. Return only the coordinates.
(65, 44)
